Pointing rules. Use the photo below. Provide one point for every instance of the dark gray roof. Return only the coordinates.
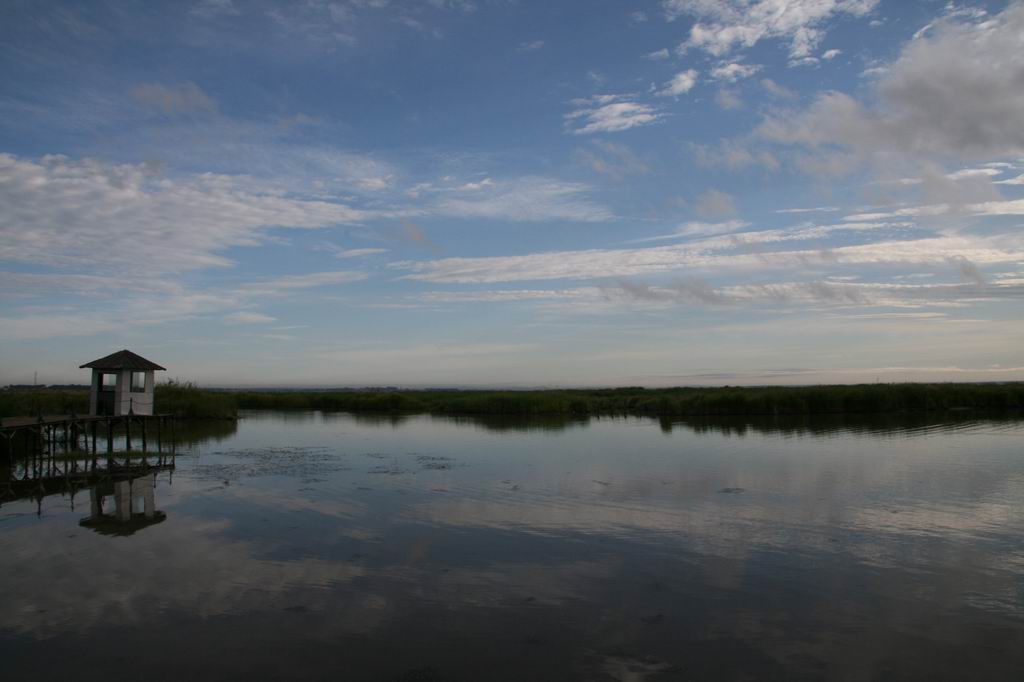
(123, 359)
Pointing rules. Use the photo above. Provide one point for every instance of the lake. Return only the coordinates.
(334, 546)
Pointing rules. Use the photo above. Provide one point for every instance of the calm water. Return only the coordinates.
(309, 546)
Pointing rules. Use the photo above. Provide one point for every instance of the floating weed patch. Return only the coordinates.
(393, 470)
(310, 463)
(435, 462)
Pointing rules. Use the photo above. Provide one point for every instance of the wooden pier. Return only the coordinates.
(66, 454)
(53, 443)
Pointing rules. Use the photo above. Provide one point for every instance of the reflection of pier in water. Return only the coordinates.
(62, 459)
(131, 486)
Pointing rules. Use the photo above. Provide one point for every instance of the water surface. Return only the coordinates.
(332, 546)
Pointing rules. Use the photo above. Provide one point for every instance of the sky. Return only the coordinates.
(513, 193)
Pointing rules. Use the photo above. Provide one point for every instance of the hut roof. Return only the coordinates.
(123, 359)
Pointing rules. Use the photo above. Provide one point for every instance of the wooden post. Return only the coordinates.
(159, 440)
(94, 425)
(144, 420)
(128, 433)
(110, 445)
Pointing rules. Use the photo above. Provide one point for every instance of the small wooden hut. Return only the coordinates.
(122, 383)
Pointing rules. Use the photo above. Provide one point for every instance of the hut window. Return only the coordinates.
(109, 382)
(138, 382)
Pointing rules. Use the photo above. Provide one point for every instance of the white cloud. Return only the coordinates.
(731, 72)
(610, 114)
(1019, 180)
(829, 55)
(657, 55)
(507, 295)
(95, 215)
(698, 229)
(530, 46)
(680, 84)
(724, 26)
(246, 317)
(745, 251)
(953, 94)
(142, 300)
(986, 208)
(813, 209)
(308, 280)
(357, 253)
(486, 182)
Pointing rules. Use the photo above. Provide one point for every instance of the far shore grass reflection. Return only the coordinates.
(727, 425)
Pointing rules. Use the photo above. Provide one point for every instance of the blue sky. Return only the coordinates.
(443, 192)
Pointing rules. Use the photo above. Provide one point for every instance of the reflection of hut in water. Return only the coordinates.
(127, 494)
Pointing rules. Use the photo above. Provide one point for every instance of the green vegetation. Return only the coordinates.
(185, 399)
(182, 399)
(188, 400)
(864, 398)
(30, 402)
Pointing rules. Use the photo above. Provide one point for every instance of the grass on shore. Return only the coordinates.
(182, 399)
(864, 398)
(190, 401)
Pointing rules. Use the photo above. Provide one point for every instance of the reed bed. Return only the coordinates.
(190, 401)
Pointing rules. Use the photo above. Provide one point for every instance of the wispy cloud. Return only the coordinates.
(530, 46)
(359, 253)
(287, 283)
(247, 317)
(94, 215)
(523, 199)
(609, 114)
(720, 254)
(730, 72)
(680, 84)
(697, 229)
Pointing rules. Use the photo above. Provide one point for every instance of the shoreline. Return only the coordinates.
(190, 401)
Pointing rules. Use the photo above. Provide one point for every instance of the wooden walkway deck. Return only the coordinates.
(47, 436)
(60, 419)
